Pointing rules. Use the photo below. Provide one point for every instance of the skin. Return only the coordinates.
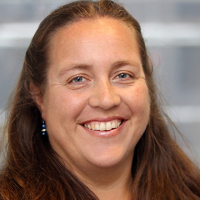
(95, 75)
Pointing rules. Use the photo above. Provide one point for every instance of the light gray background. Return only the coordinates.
(172, 32)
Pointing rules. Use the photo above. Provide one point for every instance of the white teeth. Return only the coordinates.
(97, 127)
(118, 124)
(102, 126)
(113, 125)
(108, 126)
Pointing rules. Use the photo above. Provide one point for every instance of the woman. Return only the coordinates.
(85, 120)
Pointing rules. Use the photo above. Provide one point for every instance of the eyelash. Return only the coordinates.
(123, 75)
(78, 77)
(128, 76)
(78, 80)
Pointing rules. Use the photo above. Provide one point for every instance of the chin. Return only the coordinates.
(111, 159)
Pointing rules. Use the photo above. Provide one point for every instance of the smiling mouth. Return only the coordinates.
(103, 126)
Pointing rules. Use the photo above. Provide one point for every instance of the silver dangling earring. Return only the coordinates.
(43, 130)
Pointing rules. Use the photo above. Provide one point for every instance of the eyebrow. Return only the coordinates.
(119, 64)
(115, 65)
(74, 67)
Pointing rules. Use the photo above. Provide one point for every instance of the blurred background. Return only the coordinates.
(172, 32)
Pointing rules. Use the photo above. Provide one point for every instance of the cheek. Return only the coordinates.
(139, 99)
(66, 104)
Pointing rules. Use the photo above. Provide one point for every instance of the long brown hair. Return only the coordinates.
(32, 169)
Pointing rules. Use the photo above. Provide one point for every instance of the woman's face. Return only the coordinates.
(96, 105)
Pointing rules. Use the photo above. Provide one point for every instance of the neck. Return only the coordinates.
(111, 183)
(112, 187)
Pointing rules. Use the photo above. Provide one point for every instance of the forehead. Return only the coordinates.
(92, 27)
(92, 36)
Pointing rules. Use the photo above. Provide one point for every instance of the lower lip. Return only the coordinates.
(106, 134)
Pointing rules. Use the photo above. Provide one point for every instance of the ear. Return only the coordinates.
(38, 99)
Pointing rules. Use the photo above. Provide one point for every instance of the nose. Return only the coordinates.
(104, 96)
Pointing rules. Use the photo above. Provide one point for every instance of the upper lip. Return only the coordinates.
(107, 119)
